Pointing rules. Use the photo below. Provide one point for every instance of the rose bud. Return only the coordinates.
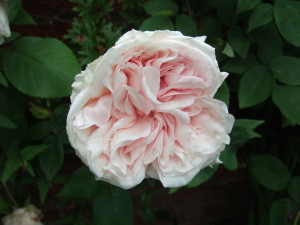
(145, 109)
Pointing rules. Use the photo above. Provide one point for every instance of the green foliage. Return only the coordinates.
(160, 8)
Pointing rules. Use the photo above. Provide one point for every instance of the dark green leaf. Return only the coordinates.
(43, 186)
(287, 17)
(239, 41)
(294, 188)
(6, 123)
(23, 18)
(278, 212)
(39, 130)
(239, 136)
(4, 206)
(160, 8)
(226, 12)
(255, 86)
(286, 69)
(228, 157)
(186, 25)
(261, 36)
(203, 176)
(246, 5)
(157, 23)
(11, 165)
(223, 93)
(52, 158)
(210, 27)
(59, 124)
(113, 206)
(266, 53)
(29, 152)
(81, 185)
(13, 9)
(262, 15)
(3, 80)
(240, 66)
(270, 172)
(228, 50)
(287, 99)
(249, 125)
(46, 67)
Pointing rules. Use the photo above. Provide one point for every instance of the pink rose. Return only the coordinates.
(146, 109)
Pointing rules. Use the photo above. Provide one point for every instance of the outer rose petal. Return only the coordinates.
(146, 109)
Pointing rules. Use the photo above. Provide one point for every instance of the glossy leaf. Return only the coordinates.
(286, 69)
(262, 15)
(287, 99)
(255, 86)
(270, 172)
(112, 206)
(46, 67)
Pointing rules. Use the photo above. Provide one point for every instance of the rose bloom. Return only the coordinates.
(4, 26)
(146, 109)
(28, 215)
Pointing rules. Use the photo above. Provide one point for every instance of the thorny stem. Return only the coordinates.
(10, 196)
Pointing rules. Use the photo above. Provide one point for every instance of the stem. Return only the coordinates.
(189, 8)
(297, 218)
(10, 196)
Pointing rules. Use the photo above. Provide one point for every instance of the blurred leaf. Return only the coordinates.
(278, 212)
(113, 206)
(6, 123)
(266, 53)
(294, 146)
(294, 188)
(255, 86)
(81, 185)
(270, 172)
(157, 23)
(287, 99)
(229, 159)
(40, 112)
(59, 123)
(11, 165)
(4, 206)
(246, 5)
(239, 41)
(210, 26)
(261, 36)
(223, 93)
(186, 25)
(287, 17)
(13, 9)
(203, 176)
(239, 136)
(23, 17)
(286, 69)
(228, 51)
(46, 67)
(238, 65)
(39, 130)
(29, 152)
(43, 186)
(51, 159)
(262, 15)
(226, 12)
(249, 125)
(3, 80)
(160, 8)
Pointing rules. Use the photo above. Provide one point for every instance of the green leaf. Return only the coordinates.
(43, 186)
(3, 80)
(287, 17)
(278, 212)
(39, 130)
(4, 206)
(229, 159)
(249, 125)
(210, 26)
(223, 93)
(246, 5)
(287, 99)
(266, 53)
(239, 41)
(262, 15)
(186, 25)
(238, 65)
(203, 176)
(113, 206)
(239, 136)
(255, 86)
(294, 188)
(160, 8)
(52, 158)
(6, 122)
(286, 69)
(261, 36)
(270, 172)
(226, 12)
(81, 185)
(13, 9)
(228, 51)
(29, 152)
(11, 165)
(23, 17)
(46, 67)
(157, 23)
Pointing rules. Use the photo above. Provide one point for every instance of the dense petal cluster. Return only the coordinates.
(146, 109)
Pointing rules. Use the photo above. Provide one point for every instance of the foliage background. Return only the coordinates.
(256, 41)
